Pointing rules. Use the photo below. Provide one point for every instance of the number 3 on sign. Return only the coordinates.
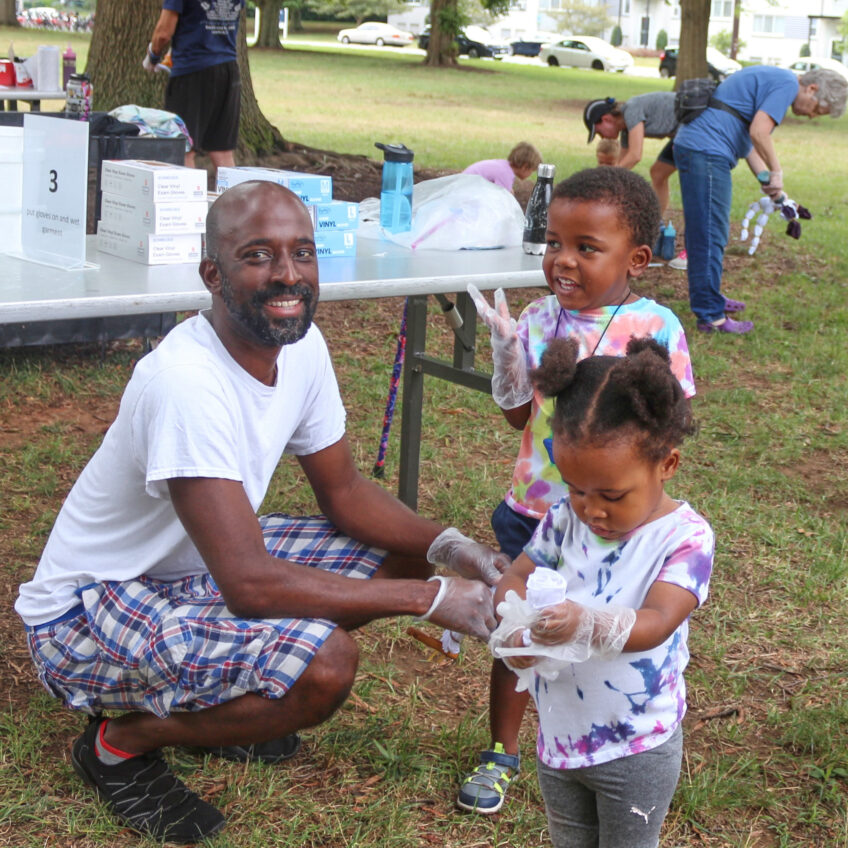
(54, 181)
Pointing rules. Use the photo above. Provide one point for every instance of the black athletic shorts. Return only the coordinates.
(667, 154)
(209, 103)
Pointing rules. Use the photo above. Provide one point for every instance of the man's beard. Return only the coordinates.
(270, 333)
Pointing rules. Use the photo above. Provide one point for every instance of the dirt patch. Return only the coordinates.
(92, 419)
(823, 472)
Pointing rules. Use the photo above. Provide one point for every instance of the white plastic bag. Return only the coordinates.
(457, 212)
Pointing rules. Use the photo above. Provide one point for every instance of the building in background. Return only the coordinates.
(773, 31)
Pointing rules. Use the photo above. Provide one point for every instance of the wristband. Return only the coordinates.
(443, 587)
(763, 177)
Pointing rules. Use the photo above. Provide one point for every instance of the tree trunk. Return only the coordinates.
(269, 24)
(441, 49)
(256, 133)
(8, 13)
(734, 39)
(121, 36)
(118, 42)
(694, 23)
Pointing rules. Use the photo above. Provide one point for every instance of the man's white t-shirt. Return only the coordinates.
(189, 410)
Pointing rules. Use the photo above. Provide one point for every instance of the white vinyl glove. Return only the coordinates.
(600, 633)
(464, 606)
(151, 60)
(511, 386)
(466, 557)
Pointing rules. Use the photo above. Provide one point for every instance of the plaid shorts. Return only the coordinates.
(158, 646)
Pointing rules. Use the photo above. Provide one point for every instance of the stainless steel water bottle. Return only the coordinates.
(536, 217)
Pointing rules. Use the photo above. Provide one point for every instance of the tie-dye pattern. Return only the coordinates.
(601, 710)
(536, 483)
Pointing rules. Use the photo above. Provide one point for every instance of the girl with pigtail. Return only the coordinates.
(636, 564)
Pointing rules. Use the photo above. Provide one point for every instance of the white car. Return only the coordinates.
(374, 32)
(723, 64)
(802, 64)
(586, 51)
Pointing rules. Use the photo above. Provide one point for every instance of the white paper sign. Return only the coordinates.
(55, 191)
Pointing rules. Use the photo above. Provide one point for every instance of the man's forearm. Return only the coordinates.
(164, 31)
(373, 516)
(761, 138)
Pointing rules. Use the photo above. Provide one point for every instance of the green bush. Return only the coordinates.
(662, 39)
(805, 50)
(723, 41)
(615, 38)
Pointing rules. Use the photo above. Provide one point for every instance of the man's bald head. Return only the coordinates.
(232, 208)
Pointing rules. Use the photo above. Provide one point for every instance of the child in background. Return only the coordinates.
(608, 151)
(601, 225)
(522, 161)
(636, 563)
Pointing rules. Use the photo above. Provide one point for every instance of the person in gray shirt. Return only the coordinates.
(643, 116)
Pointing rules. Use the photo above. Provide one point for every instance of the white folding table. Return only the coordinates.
(36, 293)
(10, 94)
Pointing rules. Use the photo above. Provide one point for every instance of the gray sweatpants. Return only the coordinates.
(620, 804)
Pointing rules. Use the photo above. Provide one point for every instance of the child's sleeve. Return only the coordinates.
(545, 545)
(690, 563)
(678, 351)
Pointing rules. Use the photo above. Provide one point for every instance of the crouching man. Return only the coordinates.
(162, 596)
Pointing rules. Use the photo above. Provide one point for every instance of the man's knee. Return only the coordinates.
(329, 677)
(222, 158)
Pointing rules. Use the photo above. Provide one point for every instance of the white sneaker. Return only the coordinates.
(679, 262)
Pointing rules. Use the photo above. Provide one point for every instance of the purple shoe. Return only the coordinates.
(731, 305)
(726, 326)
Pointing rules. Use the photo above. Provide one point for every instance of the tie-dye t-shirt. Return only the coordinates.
(536, 483)
(602, 710)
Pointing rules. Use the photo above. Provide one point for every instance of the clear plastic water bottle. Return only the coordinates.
(396, 191)
(536, 217)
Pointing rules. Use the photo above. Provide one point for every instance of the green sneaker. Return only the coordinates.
(484, 790)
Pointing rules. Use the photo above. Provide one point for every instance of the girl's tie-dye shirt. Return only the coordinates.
(536, 483)
(601, 710)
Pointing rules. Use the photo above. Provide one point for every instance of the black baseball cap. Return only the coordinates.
(594, 111)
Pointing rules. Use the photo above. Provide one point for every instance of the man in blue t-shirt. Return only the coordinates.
(205, 87)
(708, 148)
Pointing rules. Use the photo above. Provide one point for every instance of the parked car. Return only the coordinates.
(586, 51)
(802, 64)
(719, 66)
(474, 42)
(374, 32)
(530, 44)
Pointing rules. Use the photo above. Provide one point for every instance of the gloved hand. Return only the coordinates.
(603, 633)
(463, 605)
(511, 386)
(151, 60)
(466, 557)
(519, 639)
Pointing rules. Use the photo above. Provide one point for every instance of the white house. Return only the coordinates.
(773, 31)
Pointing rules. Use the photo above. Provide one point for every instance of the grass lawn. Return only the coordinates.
(766, 757)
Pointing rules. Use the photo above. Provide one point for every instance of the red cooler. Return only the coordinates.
(7, 72)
